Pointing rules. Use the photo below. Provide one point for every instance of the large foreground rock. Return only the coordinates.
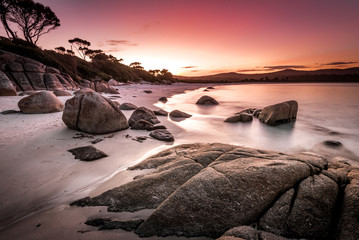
(6, 87)
(231, 187)
(42, 102)
(92, 113)
(279, 113)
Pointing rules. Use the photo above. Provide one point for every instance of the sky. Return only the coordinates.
(201, 37)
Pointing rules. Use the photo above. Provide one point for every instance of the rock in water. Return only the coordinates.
(162, 135)
(92, 113)
(279, 113)
(160, 112)
(163, 99)
(243, 117)
(179, 114)
(6, 87)
(207, 100)
(42, 102)
(144, 114)
(87, 153)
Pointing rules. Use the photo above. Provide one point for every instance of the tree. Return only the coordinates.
(60, 50)
(81, 46)
(136, 65)
(5, 6)
(92, 53)
(33, 19)
(70, 52)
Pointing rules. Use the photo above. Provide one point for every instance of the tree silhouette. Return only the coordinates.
(5, 6)
(81, 46)
(60, 50)
(70, 52)
(92, 53)
(136, 65)
(33, 19)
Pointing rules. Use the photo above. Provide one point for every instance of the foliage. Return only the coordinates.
(81, 46)
(33, 19)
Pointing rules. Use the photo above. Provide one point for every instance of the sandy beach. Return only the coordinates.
(39, 177)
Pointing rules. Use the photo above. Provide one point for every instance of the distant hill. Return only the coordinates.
(287, 75)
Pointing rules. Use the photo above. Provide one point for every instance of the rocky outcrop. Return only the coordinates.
(42, 102)
(207, 100)
(143, 113)
(279, 113)
(27, 74)
(6, 86)
(208, 189)
(179, 114)
(92, 113)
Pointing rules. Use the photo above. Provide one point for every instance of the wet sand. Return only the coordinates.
(39, 178)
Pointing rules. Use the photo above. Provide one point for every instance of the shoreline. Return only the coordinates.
(44, 137)
(65, 179)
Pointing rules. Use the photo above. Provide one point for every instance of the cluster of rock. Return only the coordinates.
(271, 115)
(19, 73)
(100, 85)
(220, 190)
(145, 119)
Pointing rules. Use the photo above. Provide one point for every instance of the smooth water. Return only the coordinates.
(326, 112)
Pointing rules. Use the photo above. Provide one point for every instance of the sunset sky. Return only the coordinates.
(195, 37)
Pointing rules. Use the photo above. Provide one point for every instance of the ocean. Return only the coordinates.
(326, 112)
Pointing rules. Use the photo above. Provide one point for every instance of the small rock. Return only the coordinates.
(207, 100)
(142, 125)
(162, 135)
(257, 112)
(29, 93)
(97, 221)
(160, 112)
(179, 114)
(243, 117)
(10, 112)
(62, 93)
(279, 113)
(163, 99)
(111, 90)
(147, 91)
(142, 113)
(87, 153)
(128, 106)
(210, 88)
(332, 143)
(97, 140)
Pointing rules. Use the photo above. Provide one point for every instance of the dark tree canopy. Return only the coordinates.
(136, 65)
(81, 46)
(60, 49)
(33, 19)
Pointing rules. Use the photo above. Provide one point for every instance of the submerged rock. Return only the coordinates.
(87, 153)
(179, 114)
(90, 112)
(160, 112)
(207, 100)
(279, 113)
(163, 99)
(243, 117)
(42, 102)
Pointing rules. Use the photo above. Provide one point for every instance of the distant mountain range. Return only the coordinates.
(287, 75)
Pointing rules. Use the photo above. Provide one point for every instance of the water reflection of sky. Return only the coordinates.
(323, 109)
